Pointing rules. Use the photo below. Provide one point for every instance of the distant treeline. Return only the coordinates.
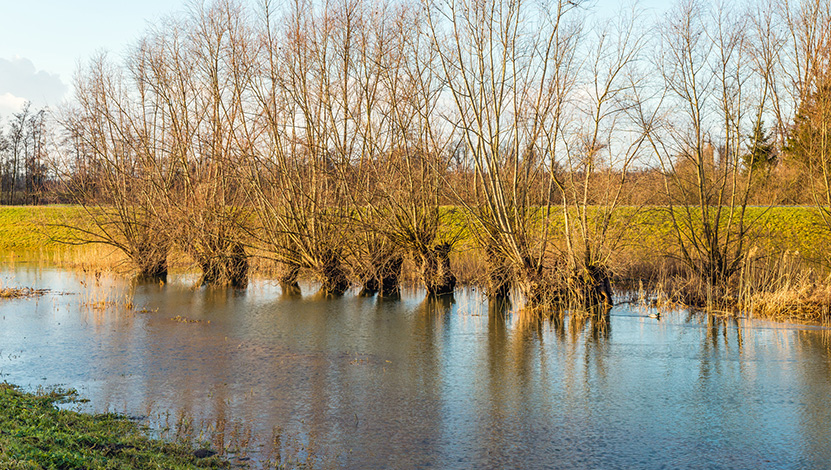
(25, 177)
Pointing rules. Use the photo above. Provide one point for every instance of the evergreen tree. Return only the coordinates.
(808, 139)
(761, 154)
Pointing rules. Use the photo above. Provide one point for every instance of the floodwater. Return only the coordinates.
(361, 383)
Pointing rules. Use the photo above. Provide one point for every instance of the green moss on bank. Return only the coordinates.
(36, 434)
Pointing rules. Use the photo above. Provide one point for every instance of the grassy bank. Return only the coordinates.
(33, 228)
(34, 233)
(35, 434)
(30, 229)
(788, 246)
(773, 230)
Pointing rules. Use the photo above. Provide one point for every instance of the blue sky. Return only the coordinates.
(42, 41)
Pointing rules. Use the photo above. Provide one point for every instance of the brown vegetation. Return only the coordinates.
(329, 139)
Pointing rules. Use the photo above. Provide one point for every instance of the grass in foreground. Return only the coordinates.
(35, 434)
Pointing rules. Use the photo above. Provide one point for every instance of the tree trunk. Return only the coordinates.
(384, 277)
(227, 269)
(334, 279)
(499, 275)
(151, 260)
(597, 287)
(390, 277)
(435, 270)
(153, 270)
(237, 267)
(537, 292)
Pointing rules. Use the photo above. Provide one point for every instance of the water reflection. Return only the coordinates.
(453, 382)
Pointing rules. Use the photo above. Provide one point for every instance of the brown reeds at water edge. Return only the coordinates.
(783, 287)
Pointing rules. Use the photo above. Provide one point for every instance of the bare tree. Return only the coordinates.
(807, 67)
(492, 65)
(115, 191)
(407, 159)
(711, 96)
(4, 162)
(533, 141)
(35, 168)
(804, 57)
(193, 77)
(310, 112)
(600, 145)
(18, 145)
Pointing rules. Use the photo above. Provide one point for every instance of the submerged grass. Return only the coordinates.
(35, 433)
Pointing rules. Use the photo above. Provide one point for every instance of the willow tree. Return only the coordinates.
(512, 72)
(600, 144)
(113, 135)
(405, 155)
(194, 74)
(311, 112)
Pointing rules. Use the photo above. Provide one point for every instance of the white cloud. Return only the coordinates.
(10, 104)
(20, 80)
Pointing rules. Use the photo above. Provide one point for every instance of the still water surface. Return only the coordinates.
(430, 384)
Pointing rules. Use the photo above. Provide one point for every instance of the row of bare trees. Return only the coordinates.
(24, 157)
(340, 138)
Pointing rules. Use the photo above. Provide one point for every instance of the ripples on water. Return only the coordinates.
(430, 384)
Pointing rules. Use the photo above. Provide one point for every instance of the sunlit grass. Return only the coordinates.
(33, 228)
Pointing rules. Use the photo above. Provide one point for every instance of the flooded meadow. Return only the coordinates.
(358, 382)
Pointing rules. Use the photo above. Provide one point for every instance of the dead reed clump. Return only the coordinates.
(637, 267)
(686, 289)
(469, 267)
(89, 258)
(181, 319)
(20, 292)
(784, 288)
(806, 302)
(667, 282)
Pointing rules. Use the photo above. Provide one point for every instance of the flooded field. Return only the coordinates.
(364, 383)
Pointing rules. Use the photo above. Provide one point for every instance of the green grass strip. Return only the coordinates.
(36, 434)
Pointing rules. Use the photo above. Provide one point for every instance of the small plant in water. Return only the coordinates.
(181, 319)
